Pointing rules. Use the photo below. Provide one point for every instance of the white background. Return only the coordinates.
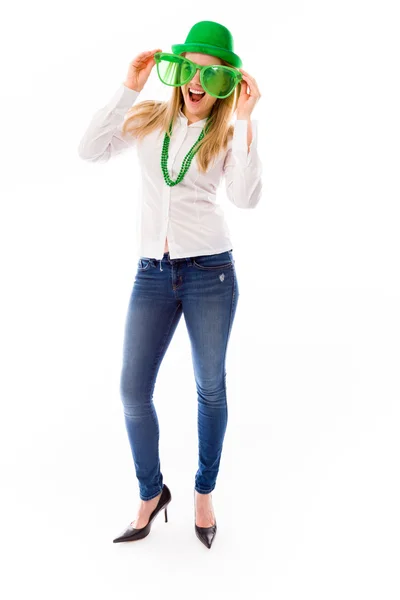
(308, 491)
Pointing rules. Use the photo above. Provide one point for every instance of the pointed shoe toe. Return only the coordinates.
(206, 534)
(131, 534)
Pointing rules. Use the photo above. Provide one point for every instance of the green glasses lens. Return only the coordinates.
(172, 70)
(217, 80)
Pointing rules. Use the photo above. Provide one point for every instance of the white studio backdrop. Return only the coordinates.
(308, 491)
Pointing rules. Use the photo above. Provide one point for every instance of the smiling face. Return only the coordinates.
(196, 111)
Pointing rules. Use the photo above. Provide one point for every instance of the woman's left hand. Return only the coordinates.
(246, 101)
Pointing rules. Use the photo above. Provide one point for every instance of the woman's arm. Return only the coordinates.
(103, 137)
(242, 166)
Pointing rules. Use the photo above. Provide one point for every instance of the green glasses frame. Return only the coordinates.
(236, 75)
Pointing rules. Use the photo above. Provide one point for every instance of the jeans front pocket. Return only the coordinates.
(143, 263)
(223, 260)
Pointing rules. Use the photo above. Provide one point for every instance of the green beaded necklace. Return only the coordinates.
(186, 161)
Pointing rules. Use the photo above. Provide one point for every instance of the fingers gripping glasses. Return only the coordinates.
(217, 80)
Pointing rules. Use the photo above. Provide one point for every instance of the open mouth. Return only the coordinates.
(196, 98)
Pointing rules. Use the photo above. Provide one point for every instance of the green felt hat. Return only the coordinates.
(209, 37)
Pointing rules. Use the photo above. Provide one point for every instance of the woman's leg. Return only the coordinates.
(152, 317)
(209, 305)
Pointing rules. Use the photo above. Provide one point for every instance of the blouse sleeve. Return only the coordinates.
(243, 168)
(103, 138)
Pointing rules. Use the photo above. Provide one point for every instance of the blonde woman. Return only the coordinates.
(186, 147)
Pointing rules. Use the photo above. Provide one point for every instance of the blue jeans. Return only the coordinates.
(205, 289)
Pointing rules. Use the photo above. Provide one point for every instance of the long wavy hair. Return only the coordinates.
(144, 117)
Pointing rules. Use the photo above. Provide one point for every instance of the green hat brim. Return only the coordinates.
(227, 55)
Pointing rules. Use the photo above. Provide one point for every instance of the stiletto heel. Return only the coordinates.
(131, 534)
(205, 534)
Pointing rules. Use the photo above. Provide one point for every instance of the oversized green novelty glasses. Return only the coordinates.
(217, 80)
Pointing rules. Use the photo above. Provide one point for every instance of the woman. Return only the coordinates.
(185, 146)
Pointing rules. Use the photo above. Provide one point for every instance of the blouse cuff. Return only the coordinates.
(122, 99)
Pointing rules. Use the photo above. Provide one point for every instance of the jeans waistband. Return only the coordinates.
(166, 257)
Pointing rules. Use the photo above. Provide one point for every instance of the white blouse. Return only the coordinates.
(187, 213)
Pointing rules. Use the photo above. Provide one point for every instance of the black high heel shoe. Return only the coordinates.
(205, 534)
(131, 534)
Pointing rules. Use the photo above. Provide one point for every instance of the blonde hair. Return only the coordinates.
(144, 117)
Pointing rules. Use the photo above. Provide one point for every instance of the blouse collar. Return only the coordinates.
(184, 119)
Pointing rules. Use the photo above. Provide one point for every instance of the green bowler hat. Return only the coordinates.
(209, 37)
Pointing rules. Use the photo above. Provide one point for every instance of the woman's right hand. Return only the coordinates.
(139, 70)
